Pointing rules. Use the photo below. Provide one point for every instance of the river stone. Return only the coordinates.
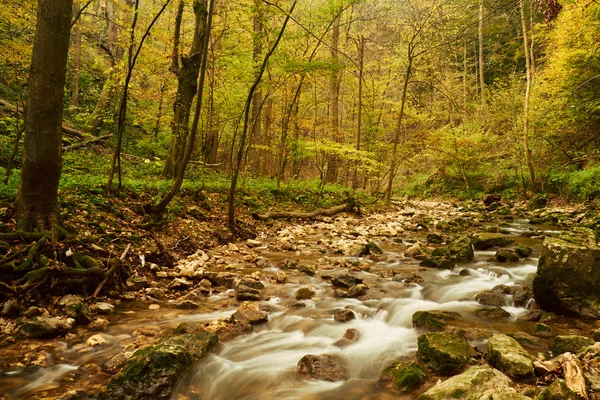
(484, 241)
(250, 312)
(75, 308)
(569, 343)
(323, 367)
(504, 255)
(433, 320)
(460, 250)
(99, 324)
(541, 330)
(523, 251)
(305, 293)
(405, 376)
(345, 281)
(374, 248)
(136, 282)
(434, 238)
(558, 390)
(243, 292)
(491, 298)
(492, 313)
(252, 283)
(11, 307)
(597, 335)
(528, 341)
(104, 308)
(506, 354)
(352, 292)
(488, 199)
(503, 394)
(350, 336)
(444, 352)
(437, 262)
(152, 372)
(522, 294)
(469, 385)
(344, 315)
(281, 277)
(568, 275)
(40, 327)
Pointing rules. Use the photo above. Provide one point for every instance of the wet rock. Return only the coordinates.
(180, 284)
(307, 269)
(104, 308)
(506, 255)
(506, 354)
(355, 249)
(410, 278)
(74, 307)
(433, 320)
(136, 282)
(533, 315)
(434, 238)
(541, 330)
(281, 277)
(344, 315)
(522, 294)
(322, 367)
(11, 307)
(40, 328)
(152, 372)
(469, 385)
(484, 241)
(98, 340)
(597, 335)
(548, 317)
(488, 199)
(254, 284)
(114, 364)
(503, 394)
(491, 298)
(413, 251)
(305, 293)
(352, 292)
(444, 352)
(99, 324)
(528, 341)
(346, 281)
(558, 390)
(568, 278)
(492, 313)
(374, 248)
(249, 312)
(226, 279)
(350, 336)
(460, 250)
(404, 376)
(243, 292)
(464, 272)
(569, 343)
(437, 262)
(523, 251)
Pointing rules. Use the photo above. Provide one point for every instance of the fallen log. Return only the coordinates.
(327, 212)
(85, 143)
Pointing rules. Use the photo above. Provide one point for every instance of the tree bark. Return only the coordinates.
(334, 93)
(529, 74)
(361, 52)
(37, 198)
(256, 138)
(481, 70)
(76, 58)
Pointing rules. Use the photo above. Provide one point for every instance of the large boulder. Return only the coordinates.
(433, 320)
(506, 354)
(570, 343)
(558, 390)
(405, 376)
(460, 250)
(470, 385)
(152, 372)
(322, 367)
(444, 352)
(484, 241)
(568, 275)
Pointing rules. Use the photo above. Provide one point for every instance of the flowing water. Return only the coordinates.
(262, 365)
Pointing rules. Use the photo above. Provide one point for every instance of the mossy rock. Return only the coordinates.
(558, 390)
(506, 354)
(374, 248)
(484, 241)
(570, 343)
(470, 385)
(433, 320)
(541, 330)
(460, 250)
(445, 353)
(492, 313)
(523, 251)
(405, 376)
(437, 262)
(506, 255)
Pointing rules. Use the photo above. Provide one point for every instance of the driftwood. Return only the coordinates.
(574, 375)
(115, 264)
(327, 212)
(85, 143)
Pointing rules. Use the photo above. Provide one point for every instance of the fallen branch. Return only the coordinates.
(328, 212)
(85, 143)
(115, 264)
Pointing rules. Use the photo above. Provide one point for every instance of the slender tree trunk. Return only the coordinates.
(481, 68)
(161, 98)
(529, 74)
(334, 93)
(465, 98)
(76, 58)
(361, 52)
(210, 146)
(37, 198)
(256, 136)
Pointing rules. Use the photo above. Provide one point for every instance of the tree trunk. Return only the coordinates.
(76, 58)
(256, 139)
(187, 81)
(334, 93)
(481, 70)
(361, 52)
(529, 73)
(37, 199)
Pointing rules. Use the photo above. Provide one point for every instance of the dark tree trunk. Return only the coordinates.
(187, 81)
(334, 90)
(256, 140)
(37, 198)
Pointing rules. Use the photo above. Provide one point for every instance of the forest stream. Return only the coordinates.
(262, 364)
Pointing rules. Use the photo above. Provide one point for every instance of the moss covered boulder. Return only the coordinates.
(152, 372)
(470, 385)
(433, 320)
(444, 352)
(570, 343)
(484, 241)
(558, 390)
(568, 275)
(405, 376)
(460, 250)
(506, 354)
(503, 394)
